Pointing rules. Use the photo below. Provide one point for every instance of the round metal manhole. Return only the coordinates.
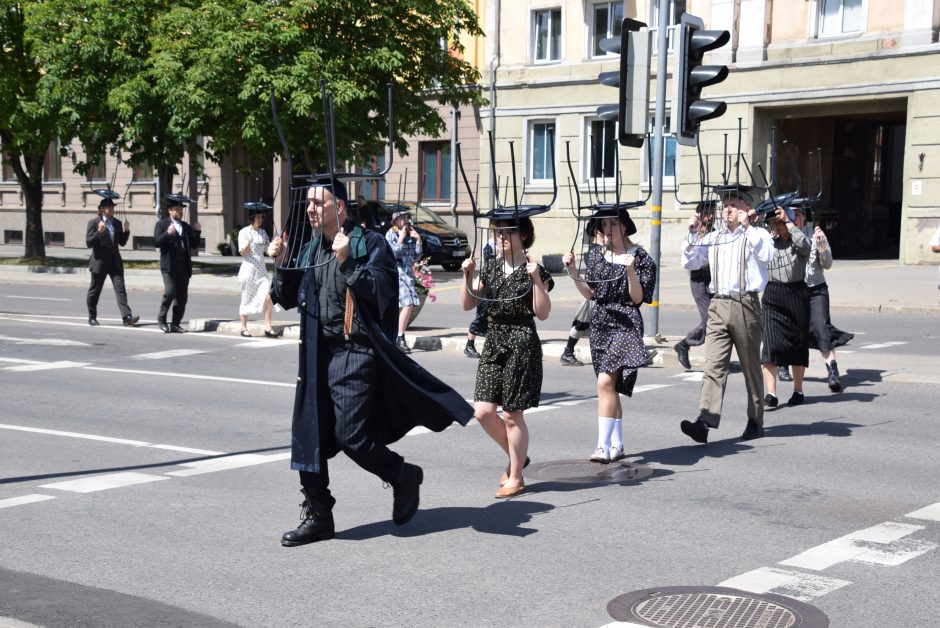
(587, 472)
(713, 607)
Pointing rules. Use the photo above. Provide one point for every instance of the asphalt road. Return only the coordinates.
(144, 481)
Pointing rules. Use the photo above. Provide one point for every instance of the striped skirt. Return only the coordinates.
(785, 317)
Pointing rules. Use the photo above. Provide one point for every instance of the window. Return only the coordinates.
(435, 171)
(546, 35)
(52, 164)
(12, 236)
(54, 238)
(99, 171)
(373, 189)
(143, 172)
(600, 155)
(676, 9)
(608, 21)
(541, 151)
(669, 157)
(837, 17)
(7, 174)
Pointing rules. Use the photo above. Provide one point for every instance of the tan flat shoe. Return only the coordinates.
(505, 476)
(510, 491)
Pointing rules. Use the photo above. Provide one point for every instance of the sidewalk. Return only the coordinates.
(857, 286)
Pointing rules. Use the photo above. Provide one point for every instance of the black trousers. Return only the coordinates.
(175, 288)
(94, 293)
(703, 299)
(350, 389)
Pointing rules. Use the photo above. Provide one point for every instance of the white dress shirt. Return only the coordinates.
(738, 259)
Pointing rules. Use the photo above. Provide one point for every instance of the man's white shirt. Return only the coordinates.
(725, 251)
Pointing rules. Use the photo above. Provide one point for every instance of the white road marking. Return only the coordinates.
(795, 584)
(880, 345)
(199, 467)
(16, 296)
(264, 343)
(231, 380)
(19, 361)
(104, 482)
(107, 439)
(47, 366)
(162, 355)
(24, 499)
(930, 513)
(50, 342)
(649, 387)
(854, 546)
(694, 376)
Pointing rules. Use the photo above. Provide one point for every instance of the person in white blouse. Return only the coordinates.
(738, 254)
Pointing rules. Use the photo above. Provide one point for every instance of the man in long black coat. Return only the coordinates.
(105, 235)
(355, 393)
(176, 240)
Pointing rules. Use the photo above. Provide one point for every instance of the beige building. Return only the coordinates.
(855, 81)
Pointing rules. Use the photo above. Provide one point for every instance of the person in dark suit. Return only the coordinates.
(105, 236)
(176, 240)
(356, 392)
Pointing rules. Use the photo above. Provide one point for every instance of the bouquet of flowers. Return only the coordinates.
(424, 281)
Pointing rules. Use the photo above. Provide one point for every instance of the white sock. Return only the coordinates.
(616, 438)
(605, 427)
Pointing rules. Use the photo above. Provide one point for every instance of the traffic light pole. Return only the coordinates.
(656, 169)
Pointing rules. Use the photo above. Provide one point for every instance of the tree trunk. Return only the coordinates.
(34, 238)
(165, 176)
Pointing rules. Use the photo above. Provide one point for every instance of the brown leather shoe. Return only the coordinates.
(510, 491)
(505, 476)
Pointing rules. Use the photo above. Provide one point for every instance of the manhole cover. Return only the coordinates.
(587, 472)
(713, 607)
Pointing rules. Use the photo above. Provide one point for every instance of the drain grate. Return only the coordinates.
(713, 607)
(586, 472)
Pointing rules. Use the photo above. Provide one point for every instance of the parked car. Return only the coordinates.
(443, 244)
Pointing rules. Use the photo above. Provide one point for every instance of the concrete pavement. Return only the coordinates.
(857, 286)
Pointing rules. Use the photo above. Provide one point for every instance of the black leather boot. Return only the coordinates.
(682, 354)
(313, 527)
(835, 385)
(406, 493)
(402, 345)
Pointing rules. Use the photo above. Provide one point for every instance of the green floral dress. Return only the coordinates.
(510, 369)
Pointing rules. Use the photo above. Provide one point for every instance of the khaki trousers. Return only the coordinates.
(732, 322)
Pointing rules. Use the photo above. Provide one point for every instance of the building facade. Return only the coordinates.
(849, 88)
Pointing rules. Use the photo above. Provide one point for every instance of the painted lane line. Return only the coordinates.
(16, 296)
(213, 378)
(694, 376)
(108, 439)
(162, 355)
(930, 513)
(800, 586)
(200, 467)
(854, 547)
(18, 361)
(264, 343)
(105, 482)
(897, 553)
(649, 387)
(882, 345)
(143, 326)
(24, 499)
(48, 366)
(50, 342)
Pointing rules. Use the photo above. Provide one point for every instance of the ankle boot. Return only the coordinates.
(313, 527)
(402, 345)
(406, 493)
(834, 384)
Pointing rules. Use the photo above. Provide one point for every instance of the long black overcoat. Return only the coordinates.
(406, 394)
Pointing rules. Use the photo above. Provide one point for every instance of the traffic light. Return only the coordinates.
(633, 79)
(690, 77)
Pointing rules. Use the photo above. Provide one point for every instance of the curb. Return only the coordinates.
(75, 270)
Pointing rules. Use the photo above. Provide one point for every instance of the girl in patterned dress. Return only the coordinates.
(620, 278)
(253, 276)
(406, 245)
(510, 369)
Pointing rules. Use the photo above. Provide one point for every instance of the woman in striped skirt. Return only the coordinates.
(785, 307)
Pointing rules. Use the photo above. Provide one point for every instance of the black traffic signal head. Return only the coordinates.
(633, 80)
(689, 111)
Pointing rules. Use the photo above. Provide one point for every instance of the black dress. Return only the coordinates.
(510, 369)
(617, 325)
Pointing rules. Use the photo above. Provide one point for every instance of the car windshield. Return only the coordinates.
(426, 215)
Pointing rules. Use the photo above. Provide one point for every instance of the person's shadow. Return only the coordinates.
(505, 517)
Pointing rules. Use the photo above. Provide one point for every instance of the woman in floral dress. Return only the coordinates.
(620, 277)
(406, 245)
(253, 276)
(510, 369)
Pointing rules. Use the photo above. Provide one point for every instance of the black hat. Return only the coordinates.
(747, 193)
(177, 200)
(257, 207)
(770, 205)
(511, 212)
(618, 210)
(107, 198)
(336, 187)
